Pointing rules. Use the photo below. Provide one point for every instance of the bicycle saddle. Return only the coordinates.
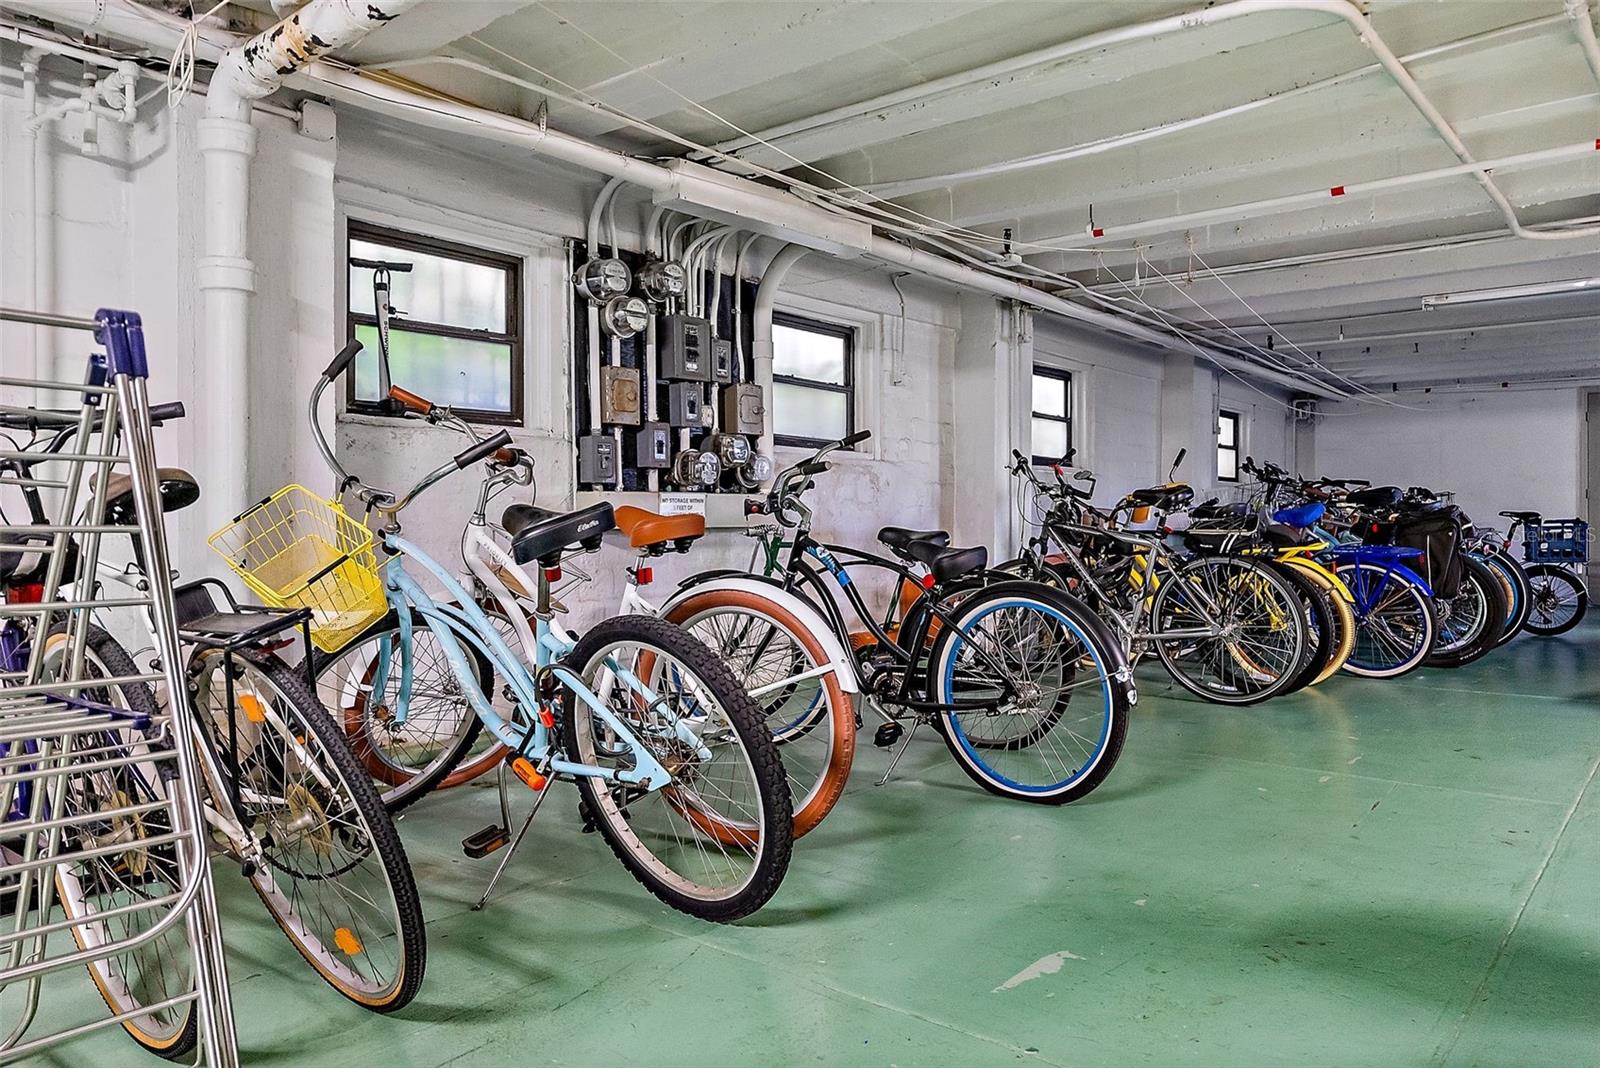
(1172, 496)
(900, 539)
(658, 533)
(1301, 515)
(1376, 497)
(1526, 517)
(944, 563)
(541, 534)
(178, 490)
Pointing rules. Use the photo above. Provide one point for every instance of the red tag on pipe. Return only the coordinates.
(1336, 191)
(1098, 231)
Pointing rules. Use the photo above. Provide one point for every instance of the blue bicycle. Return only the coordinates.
(671, 757)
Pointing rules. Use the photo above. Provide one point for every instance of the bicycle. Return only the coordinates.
(792, 666)
(1558, 597)
(668, 752)
(283, 796)
(1001, 669)
(1227, 628)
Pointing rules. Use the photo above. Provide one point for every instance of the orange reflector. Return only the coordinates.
(548, 718)
(347, 941)
(523, 769)
(254, 710)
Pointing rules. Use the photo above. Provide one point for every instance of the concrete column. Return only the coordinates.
(1186, 420)
(993, 364)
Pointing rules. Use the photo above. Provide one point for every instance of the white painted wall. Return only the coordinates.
(1507, 449)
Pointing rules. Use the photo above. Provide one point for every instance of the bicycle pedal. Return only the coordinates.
(887, 734)
(479, 845)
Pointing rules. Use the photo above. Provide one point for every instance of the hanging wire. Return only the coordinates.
(180, 68)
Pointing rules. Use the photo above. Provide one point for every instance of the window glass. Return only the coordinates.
(799, 353)
(439, 290)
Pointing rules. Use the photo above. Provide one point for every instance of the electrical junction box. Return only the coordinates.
(721, 361)
(683, 349)
(597, 459)
(684, 404)
(619, 395)
(652, 446)
(743, 409)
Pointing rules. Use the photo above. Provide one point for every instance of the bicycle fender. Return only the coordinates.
(743, 582)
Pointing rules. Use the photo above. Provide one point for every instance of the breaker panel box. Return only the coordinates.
(684, 403)
(619, 395)
(743, 409)
(683, 349)
(721, 361)
(652, 446)
(597, 459)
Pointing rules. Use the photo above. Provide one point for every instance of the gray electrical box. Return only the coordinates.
(652, 445)
(684, 403)
(597, 459)
(743, 410)
(619, 395)
(683, 349)
(721, 361)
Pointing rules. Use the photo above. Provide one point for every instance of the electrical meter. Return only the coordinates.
(600, 280)
(660, 280)
(732, 449)
(624, 317)
(753, 472)
(694, 469)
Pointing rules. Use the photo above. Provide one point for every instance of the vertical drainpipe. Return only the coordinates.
(761, 332)
(248, 72)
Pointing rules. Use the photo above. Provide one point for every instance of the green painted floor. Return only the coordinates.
(1403, 873)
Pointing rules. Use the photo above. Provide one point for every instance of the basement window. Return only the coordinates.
(456, 334)
(1227, 446)
(813, 381)
(1052, 415)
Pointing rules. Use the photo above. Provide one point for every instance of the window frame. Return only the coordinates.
(510, 263)
(1063, 375)
(1236, 448)
(846, 333)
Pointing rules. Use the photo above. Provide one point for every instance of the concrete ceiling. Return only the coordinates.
(1226, 116)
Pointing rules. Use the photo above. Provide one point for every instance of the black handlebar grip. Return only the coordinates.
(813, 467)
(165, 413)
(341, 361)
(487, 447)
(857, 438)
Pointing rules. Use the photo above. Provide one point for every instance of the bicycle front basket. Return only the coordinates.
(299, 550)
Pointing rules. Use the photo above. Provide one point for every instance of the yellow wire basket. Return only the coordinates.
(299, 550)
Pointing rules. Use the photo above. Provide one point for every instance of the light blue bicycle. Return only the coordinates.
(672, 758)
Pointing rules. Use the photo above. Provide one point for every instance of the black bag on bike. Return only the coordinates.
(1438, 533)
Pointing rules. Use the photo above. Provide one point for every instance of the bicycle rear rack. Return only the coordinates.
(60, 748)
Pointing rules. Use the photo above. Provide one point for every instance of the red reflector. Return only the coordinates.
(30, 593)
(1597, 144)
(646, 575)
(927, 582)
(1098, 231)
(552, 574)
(1337, 191)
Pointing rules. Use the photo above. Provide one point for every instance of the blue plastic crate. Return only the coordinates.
(1556, 541)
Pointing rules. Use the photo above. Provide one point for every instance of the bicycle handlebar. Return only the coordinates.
(351, 349)
(488, 448)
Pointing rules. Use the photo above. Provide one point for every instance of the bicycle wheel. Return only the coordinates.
(406, 757)
(105, 895)
(809, 715)
(1343, 616)
(1557, 599)
(323, 853)
(1470, 623)
(1042, 692)
(1320, 634)
(1395, 626)
(1519, 600)
(1243, 627)
(715, 841)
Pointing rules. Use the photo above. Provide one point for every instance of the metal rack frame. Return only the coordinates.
(55, 738)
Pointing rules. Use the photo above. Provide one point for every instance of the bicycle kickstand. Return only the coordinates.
(898, 753)
(522, 832)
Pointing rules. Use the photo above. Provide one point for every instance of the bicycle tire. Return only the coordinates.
(980, 761)
(772, 840)
(813, 802)
(313, 824)
(1541, 620)
(1320, 643)
(1344, 617)
(1517, 584)
(349, 699)
(1350, 573)
(1475, 574)
(1231, 688)
(176, 1039)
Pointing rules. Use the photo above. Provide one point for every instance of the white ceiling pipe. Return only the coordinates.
(1291, 201)
(382, 96)
(1581, 14)
(248, 71)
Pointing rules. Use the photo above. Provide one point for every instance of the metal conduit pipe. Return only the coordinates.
(761, 329)
(1581, 13)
